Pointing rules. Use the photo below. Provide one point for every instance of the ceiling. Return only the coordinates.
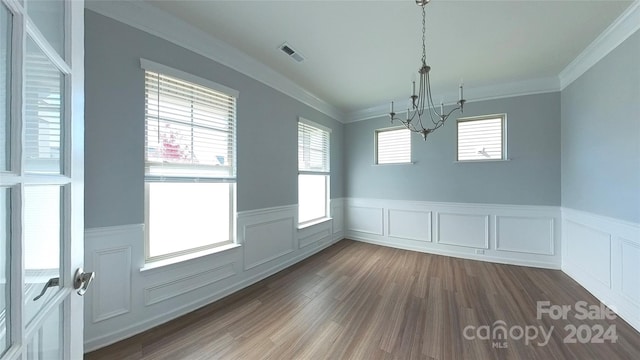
(361, 54)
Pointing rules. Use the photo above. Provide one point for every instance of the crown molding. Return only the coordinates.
(474, 94)
(621, 29)
(152, 20)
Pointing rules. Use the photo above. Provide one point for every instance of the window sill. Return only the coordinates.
(178, 259)
(313, 222)
(480, 161)
(394, 164)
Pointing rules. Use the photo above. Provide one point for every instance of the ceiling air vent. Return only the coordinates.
(291, 53)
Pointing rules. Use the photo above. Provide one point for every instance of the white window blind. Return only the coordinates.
(43, 100)
(393, 146)
(313, 148)
(189, 129)
(481, 138)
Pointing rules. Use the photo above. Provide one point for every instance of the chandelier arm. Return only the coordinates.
(406, 123)
(431, 105)
(420, 103)
(425, 90)
(411, 127)
(451, 112)
(410, 117)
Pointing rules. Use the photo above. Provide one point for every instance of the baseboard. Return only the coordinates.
(498, 260)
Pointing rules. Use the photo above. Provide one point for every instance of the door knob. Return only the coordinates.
(82, 280)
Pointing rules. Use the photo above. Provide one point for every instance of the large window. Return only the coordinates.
(313, 171)
(482, 138)
(189, 162)
(393, 146)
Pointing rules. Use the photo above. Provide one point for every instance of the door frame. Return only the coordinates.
(71, 180)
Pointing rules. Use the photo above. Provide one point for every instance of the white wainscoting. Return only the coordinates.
(337, 214)
(466, 230)
(181, 285)
(365, 219)
(512, 234)
(268, 239)
(125, 300)
(114, 297)
(410, 224)
(524, 234)
(603, 255)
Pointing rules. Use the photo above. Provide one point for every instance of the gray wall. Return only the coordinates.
(114, 116)
(601, 136)
(531, 177)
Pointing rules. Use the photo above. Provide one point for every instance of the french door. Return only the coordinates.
(41, 179)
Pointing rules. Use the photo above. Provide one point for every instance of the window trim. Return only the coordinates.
(375, 146)
(187, 254)
(503, 117)
(169, 71)
(326, 174)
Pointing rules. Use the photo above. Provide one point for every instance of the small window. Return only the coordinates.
(393, 146)
(313, 171)
(482, 138)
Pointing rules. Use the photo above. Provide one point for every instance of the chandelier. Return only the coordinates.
(422, 116)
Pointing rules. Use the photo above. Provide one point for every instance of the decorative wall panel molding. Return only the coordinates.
(603, 255)
(268, 240)
(183, 284)
(337, 213)
(525, 234)
(112, 288)
(467, 230)
(314, 237)
(589, 249)
(367, 220)
(409, 224)
(630, 271)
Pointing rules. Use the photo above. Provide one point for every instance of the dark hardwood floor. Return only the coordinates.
(361, 301)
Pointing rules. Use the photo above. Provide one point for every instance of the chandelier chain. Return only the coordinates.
(424, 41)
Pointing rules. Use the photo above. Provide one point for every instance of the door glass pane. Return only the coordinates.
(43, 112)
(46, 344)
(42, 235)
(5, 222)
(48, 16)
(5, 86)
